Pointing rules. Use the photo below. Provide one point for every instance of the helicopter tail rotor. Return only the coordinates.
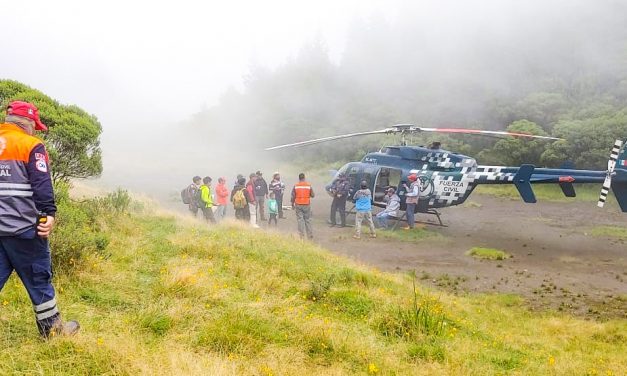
(611, 172)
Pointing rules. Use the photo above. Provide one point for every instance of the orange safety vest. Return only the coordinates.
(302, 193)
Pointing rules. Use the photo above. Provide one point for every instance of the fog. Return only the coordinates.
(200, 87)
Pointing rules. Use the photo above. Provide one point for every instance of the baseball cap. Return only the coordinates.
(27, 110)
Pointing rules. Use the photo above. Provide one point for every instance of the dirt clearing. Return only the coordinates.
(556, 262)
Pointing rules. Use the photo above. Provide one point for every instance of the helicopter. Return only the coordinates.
(448, 178)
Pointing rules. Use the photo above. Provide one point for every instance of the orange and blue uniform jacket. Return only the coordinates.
(25, 190)
(25, 183)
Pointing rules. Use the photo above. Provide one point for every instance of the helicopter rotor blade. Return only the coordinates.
(499, 134)
(331, 138)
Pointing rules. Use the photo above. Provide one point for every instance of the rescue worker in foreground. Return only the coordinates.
(302, 193)
(27, 210)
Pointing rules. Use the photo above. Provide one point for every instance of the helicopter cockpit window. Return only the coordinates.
(342, 170)
(351, 174)
(387, 177)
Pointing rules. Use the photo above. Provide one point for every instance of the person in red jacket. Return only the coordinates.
(252, 204)
(222, 197)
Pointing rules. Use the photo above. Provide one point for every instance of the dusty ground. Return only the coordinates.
(556, 264)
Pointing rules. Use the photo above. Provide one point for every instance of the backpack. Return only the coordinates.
(191, 195)
(186, 195)
(239, 200)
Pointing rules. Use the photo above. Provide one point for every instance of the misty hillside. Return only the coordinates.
(169, 296)
(560, 65)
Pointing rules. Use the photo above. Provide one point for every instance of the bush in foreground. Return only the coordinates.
(82, 227)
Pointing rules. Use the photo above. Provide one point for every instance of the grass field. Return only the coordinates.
(174, 297)
(546, 192)
(610, 231)
(488, 253)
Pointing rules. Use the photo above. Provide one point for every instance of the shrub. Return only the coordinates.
(319, 287)
(80, 226)
(424, 318)
(488, 253)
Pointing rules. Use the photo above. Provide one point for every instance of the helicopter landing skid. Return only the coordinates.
(403, 218)
(437, 215)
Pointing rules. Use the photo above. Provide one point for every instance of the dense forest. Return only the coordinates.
(561, 72)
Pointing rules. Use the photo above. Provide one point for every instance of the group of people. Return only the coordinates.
(200, 197)
(340, 190)
(251, 199)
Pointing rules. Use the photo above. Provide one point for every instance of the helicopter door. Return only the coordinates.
(386, 178)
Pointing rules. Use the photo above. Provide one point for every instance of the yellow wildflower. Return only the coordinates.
(372, 368)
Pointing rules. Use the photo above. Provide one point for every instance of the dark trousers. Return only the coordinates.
(242, 214)
(279, 203)
(194, 210)
(208, 213)
(30, 258)
(410, 215)
(272, 218)
(338, 204)
(303, 217)
(260, 208)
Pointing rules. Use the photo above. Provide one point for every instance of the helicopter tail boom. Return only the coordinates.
(619, 187)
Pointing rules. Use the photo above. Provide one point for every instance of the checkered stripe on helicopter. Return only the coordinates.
(434, 189)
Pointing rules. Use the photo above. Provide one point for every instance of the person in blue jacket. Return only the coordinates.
(363, 208)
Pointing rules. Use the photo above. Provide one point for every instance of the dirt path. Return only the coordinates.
(556, 263)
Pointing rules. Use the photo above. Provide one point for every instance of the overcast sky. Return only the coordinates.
(138, 64)
(161, 60)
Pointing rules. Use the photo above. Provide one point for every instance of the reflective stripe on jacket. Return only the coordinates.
(25, 184)
(302, 193)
